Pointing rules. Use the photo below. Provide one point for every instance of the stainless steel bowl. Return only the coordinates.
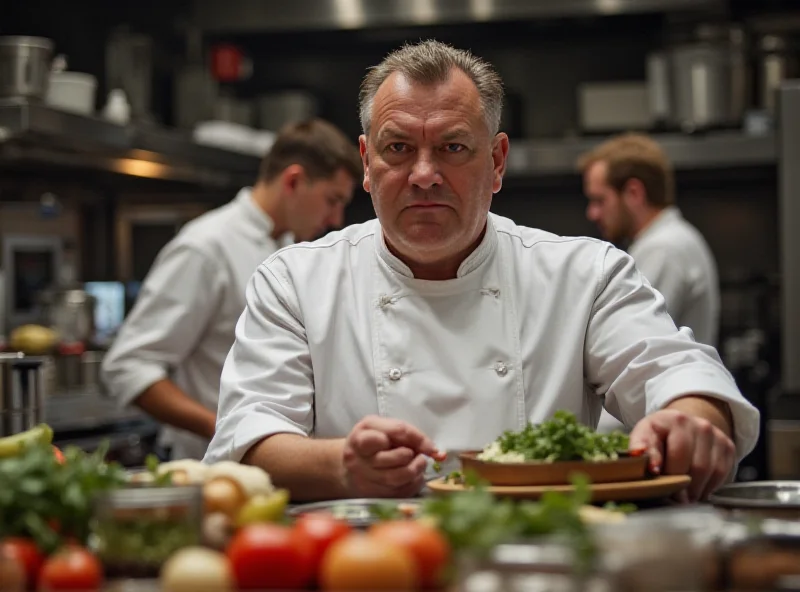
(360, 513)
(768, 499)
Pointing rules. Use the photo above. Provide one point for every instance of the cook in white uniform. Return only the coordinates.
(629, 183)
(168, 356)
(362, 355)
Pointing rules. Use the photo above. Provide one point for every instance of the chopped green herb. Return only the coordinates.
(563, 438)
(437, 466)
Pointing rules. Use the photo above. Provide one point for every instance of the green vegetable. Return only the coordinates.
(48, 501)
(18, 443)
(562, 439)
(437, 466)
(142, 542)
(152, 463)
(475, 520)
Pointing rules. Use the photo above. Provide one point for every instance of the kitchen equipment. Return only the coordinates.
(277, 109)
(24, 66)
(625, 468)
(135, 529)
(72, 91)
(771, 499)
(659, 89)
(778, 60)
(613, 106)
(21, 393)
(644, 489)
(70, 312)
(129, 68)
(195, 88)
(229, 108)
(361, 512)
(701, 81)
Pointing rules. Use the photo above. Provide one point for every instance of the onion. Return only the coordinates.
(224, 495)
(196, 569)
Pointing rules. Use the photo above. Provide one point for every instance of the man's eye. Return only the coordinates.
(396, 147)
(454, 148)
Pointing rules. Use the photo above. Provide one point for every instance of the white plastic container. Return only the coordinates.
(72, 91)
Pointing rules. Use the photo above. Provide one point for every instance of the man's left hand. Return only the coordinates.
(679, 443)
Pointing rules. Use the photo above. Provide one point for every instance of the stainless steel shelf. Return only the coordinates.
(36, 134)
(243, 16)
(534, 158)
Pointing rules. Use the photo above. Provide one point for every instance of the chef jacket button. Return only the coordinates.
(385, 300)
(395, 374)
(501, 368)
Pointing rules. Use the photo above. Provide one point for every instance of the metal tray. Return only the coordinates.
(783, 495)
(360, 513)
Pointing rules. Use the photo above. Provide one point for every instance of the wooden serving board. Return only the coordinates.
(644, 489)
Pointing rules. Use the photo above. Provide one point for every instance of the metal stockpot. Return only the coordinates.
(24, 66)
(21, 393)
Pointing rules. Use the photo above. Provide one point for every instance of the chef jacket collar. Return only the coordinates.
(257, 219)
(473, 261)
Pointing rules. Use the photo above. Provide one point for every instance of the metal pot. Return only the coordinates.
(21, 393)
(70, 312)
(701, 82)
(778, 60)
(24, 66)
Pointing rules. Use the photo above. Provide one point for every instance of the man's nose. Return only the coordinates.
(591, 213)
(425, 171)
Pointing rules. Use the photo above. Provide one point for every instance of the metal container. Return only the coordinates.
(700, 82)
(24, 67)
(764, 499)
(136, 529)
(777, 61)
(70, 312)
(21, 393)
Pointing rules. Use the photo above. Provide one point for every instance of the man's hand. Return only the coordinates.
(680, 442)
(386, 458)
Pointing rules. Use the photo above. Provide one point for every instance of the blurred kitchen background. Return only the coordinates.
(119, 122)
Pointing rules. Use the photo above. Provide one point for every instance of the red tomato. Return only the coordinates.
(59, 455)
(27, 554)
(425, 543)
(322, 530)
(71, 568)
(271, 557)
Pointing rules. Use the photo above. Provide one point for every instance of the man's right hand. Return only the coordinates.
(386, 458)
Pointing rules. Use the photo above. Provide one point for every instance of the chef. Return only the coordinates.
(364, 355)
(630, 186)
(168, 356)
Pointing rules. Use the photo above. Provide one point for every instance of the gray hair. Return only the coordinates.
(430, 62)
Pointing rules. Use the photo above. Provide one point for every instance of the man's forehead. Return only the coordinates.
(401, 99)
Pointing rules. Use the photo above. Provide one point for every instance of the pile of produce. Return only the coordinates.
(561, 438)
(52, 536)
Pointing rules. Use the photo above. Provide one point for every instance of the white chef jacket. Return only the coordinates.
(339, 328)
(182, 325)
(676, 260)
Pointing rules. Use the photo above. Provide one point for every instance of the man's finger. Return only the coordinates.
(399, 477)
(723, 459)
(643, 436)
(403, 434)
(396, 457)
(369, 442)
(702, 459)
(679, 450)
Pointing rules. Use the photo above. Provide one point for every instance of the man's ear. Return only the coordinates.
(362, 149)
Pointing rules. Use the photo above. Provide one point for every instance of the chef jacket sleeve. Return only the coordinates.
(267, 384)
(639, 360)
(667, 275)
(177, 299)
